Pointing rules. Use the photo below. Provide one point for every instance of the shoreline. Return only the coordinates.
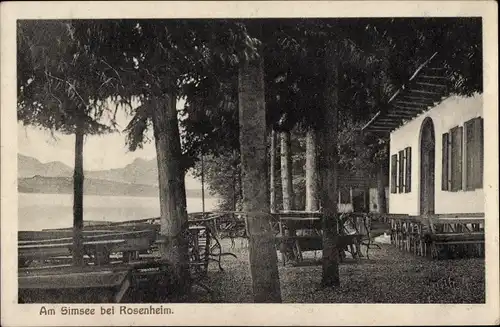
(115, 195)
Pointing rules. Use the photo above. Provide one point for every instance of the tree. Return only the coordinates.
(286, 170)
(294, 71)
(158, 62)
(62, 87)
(272, 170)
(328, 169)
(252, 122)
(210, 116)
(343, 60)
(174, 246)
(409, 42)
(286, 83)
(222, 175)
(363, 155)
(311, 168)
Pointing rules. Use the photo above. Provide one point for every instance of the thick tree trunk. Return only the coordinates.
(235, 190)
(78, 196)
(240, 190)
(236, 182)
(272, 170)
(328, 169)
(381, 184)
(286, 171)
(311, 172)
(173, 242)
(252, 121)
(202, 185)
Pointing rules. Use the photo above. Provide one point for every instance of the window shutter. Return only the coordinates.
(470, 155)
(408, 170)
(401, 172)
(456, 158)
(479, 133)
(445, 164)
(394, 172)
(474, 153)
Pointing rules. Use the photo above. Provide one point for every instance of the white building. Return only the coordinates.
(436, 146)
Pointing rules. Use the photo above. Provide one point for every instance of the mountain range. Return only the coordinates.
(139, 178)
(29, 167)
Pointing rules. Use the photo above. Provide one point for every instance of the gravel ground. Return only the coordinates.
(389, 276)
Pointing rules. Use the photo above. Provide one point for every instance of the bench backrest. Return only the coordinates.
(113, 241)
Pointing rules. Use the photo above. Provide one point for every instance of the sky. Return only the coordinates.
(99, 152)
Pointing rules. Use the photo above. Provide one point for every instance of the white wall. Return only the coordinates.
(453, 111)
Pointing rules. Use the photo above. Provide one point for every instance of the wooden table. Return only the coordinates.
(88, 284)
(98, 245)
(291, 221)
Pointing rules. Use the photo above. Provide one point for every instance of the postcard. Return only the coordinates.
(249, 163)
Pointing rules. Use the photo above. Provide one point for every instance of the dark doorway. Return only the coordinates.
(427, 167)
(360, 199)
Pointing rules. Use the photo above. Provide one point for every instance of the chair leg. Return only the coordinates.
(353, 251)
(299, 251)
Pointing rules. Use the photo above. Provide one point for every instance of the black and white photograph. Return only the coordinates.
(249, 159)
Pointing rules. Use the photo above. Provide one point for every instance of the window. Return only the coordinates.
(345, 195)
(401, 171)
(456, 158)
(394, 173)
(408, 170)
(463, 152)
(445, 178)
(401, 179)
(474, 154)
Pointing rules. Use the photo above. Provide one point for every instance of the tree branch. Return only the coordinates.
(72, 87)
(116, 72)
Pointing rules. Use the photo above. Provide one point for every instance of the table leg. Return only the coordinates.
(127, 256)
(123, 289)
(299, 251)
(101, 255)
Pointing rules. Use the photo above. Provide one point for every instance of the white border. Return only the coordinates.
(14, 314)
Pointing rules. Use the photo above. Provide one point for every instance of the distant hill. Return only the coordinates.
(140, 171)
(64, 185)
(139, 178)
(29, 167)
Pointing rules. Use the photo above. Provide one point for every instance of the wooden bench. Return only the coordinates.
(98, 245)
(430, 235)
(90, 284)
(47, 250)
(459, 230)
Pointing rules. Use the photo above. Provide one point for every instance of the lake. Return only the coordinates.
(39, 211)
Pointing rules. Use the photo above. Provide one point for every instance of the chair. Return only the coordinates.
(364, 225)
